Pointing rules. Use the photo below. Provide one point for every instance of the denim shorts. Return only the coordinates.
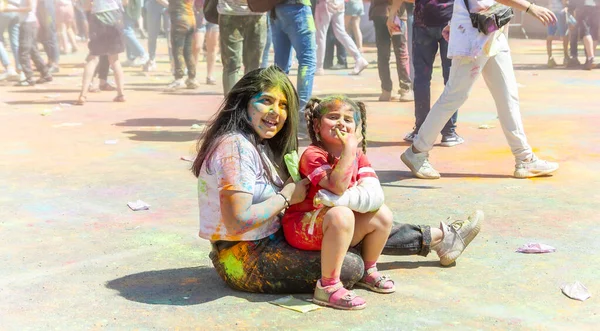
(202, 25)
(560, 28)
(354, 8)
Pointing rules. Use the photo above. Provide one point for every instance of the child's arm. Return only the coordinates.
(338, 179)
(365, 197)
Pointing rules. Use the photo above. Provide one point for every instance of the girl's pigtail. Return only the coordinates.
(312, 107)
(363, 119)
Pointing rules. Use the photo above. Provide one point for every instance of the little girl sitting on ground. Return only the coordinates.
(344, 205)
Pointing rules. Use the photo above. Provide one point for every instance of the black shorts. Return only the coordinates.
(588, 19)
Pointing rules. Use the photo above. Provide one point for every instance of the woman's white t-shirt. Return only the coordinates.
(467, 41)
(235, 165)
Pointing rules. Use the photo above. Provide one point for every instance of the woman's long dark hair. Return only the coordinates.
(233, 117)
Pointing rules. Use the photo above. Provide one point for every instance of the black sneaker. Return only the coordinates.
(44, 79)
(26, 82)
(452, 140)
(589, 64)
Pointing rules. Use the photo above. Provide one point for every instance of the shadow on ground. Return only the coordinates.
(159, 122)
(170, 136)
(178, 287)
(389, 176)
(382, 266)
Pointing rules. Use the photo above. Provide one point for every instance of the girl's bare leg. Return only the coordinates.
(113, 60)
(88, 74)
(212, 46)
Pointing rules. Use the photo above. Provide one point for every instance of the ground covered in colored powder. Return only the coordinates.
(75, 257)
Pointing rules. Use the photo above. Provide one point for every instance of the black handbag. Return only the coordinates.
(210, 11)
(491, 19)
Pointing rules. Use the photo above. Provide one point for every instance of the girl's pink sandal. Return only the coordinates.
(349, 301)
(376, 284)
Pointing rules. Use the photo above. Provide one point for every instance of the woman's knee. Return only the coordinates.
(339, 219)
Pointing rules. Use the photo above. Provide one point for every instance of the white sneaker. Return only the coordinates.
(320, 72)
(128, 63)
(411, 136)
(457, 237)
(16, 77)
(150, 66)
(534, 167)
(3, 76)
(176, 85)
(406, 95)
(191, 84)
(419, 165)
(361, 64)
(140, 61)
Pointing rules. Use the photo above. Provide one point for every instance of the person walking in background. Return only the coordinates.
(294, 26)
(353, 10)
(183, 30)
(46, 15)
(9, 21)
(331, 12)
(136, 54)
(65, 26)
(106, 39)
(243, 34)
(430, 18)
(28, 51)
(156, 11)
(558, 31)
(397, 38)
(207, 33)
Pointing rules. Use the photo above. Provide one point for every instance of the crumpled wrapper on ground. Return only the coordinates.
(138, 205)
(576, 291)
(535, 248)
(295, 304)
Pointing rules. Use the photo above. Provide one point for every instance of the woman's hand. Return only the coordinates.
(296, 192)
(446, 32)
(544, 15)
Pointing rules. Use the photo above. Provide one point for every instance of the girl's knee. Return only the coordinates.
(385, 217)
(340, 218)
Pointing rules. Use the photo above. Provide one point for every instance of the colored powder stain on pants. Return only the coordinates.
(234, 268)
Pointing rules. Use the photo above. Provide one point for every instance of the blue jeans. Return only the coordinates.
(425, 45)
(132, 45)
(154, 12)
(410, 20)
(294, 27)
(10, 22)
(46, 15)
(265, 55)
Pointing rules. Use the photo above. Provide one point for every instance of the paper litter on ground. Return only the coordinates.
(111, 142)
(138, 205)
(536, 248)
(196, 126)
(486, 126)
(576, 291)
(295, 304)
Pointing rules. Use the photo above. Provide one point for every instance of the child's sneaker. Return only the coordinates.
(551, 62)
(534, 167)
(418, 164)
(457, 236)
(337, 296)
(589, 64)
